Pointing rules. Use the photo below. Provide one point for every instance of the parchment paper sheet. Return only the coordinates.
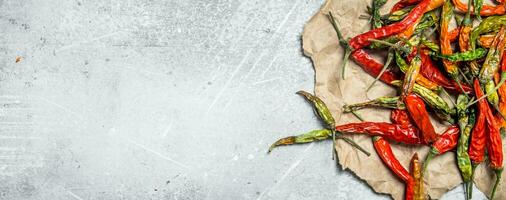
(320, 43)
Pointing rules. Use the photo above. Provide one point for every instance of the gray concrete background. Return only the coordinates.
(153, 99)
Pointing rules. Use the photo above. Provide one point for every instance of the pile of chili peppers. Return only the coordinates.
(454, 74)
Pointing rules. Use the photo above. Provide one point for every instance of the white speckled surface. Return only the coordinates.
(152, 99)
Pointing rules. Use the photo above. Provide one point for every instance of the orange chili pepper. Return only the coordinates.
(486, 10)
(411, 29)
(444, 40)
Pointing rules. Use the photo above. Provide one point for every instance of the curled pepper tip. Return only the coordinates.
(283, 141)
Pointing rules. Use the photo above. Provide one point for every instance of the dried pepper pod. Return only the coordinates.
(486, 10)
(416, 173)
(394, 132)
(494, 149)
(489, 24)
(502, 94)
(478, 135)
(420, 79)
(417, 26)
(312, 136)
(491, 66)
(442, 109)
(444, 40)
(466, 123)
(320, 107)
(386, 154)
(432, 72)
(410, 76)
(372, 67)
(464, 56)
(363, 40)
(403, 4)
(382, 102)
(416, 108)
(401, 117)
(446, 142)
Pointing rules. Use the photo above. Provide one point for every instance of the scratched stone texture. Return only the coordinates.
(160, 99)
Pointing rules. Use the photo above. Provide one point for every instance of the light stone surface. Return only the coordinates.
(154, 99)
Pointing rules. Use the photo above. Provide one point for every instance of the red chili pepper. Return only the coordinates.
(384, 151)
(362, 40)
(494, 148)
(401, 117)
(372, 67)
(432, 72)
(453, 35)
(402, 4)
(446, 142)
(416, 108)
(478, 136)
(395, 132)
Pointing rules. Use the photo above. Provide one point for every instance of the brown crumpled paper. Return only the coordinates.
(321, 44)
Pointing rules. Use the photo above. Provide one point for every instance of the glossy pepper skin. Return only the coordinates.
(478, 135)
(401, 117)
(432, 72)
(384, 151)
(416, 108)
(395, 132)
(402, 4)
(372, 67)
(446, 142)
(363, 39)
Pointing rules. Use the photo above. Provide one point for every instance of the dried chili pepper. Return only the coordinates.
(401, 117)
(410, 76)
(402, 4)
(431, 72)
(417, 26)
(444, 40)
(489, 24)
(442, 109)
(384, 151)
(420, 79)
(502, 94)
(394, 132)
(363, 39)
(495, 152)
(464, 56)
(312, 136)
(477, 5)
(446, 142)
(416, 108)
(486, 40)
(453, 35)
(491, 66)
(478, 135)
(416, 173)
(376, 16)
(466, 123)
(486, 10)
(382, 102)
(372, 67)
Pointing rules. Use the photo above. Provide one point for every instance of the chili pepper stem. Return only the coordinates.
(498, 174)
(357, 115)
(432, 154)
(385, 67)
(394, 46)
(457, 80)
(343, 43)
(503, 79)
(354, 144)
(470, 185)
(464, 76)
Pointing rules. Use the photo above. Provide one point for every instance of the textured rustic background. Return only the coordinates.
(157, 99)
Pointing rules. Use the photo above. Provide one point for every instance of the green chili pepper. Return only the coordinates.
(464, 56)
(410, 75)
(489, 24)
(321, 109)
(429, 44)
(382, 45)
(313, 136)
(493, 96)
(376, 16)
(442, 109)
(382, 102)
(396, 16)
(466, 123)
(477, 8)
(429, 19)
(490, 66)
